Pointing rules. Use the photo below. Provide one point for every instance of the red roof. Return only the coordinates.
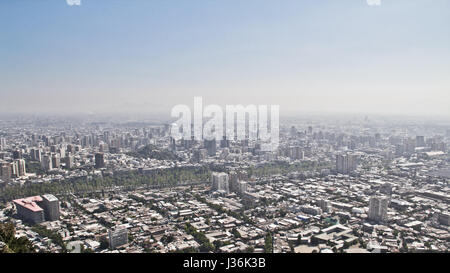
(29, 203)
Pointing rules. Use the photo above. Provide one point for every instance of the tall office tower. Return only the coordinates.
(346, 163)
(310, 130)
(33, 154)
(410, 146)
(99, 160)
(378, 207)
(325, 205)
(62, 152)
(5, 171)
(37, 154)
(220, 182)
(70, 148)
(420, 141)
(50, 204)
(173, 144)
(210, 146)
(118, 237)
(20, 165)
(242, 187)
(2, 143)
(68, 160)
(17, 154)
(55, 161)
(53, 149)
(439, 146)
(444, 218)
(102, 147)
(233, 181)
(224, 143)
(46, 163)
(296, 153)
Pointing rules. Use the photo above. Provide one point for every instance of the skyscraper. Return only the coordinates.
(20, 167)
(220, 182)
(17, 154)
(5, 171)
(210, 146)
(420, 141)
(50, 204)
(224, 143)
(346, 163)
(69, 161)
(47, 163)
(118, 237)
(99, 160)
(378, 207)
(56, 161)
(2, 143)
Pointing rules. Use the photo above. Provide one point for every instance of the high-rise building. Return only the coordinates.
(210, 146)
(173, 144)
(17, 154)
(444, 218)
(325, 205)
(346, 163)
(296, 152)
(99, 160)
(28, 209)
(220, 182)
(68, 160)
(35, 154)
(420, 141)
(233, 179)
(378, 207)
(224, 143)
(56, 162)
(5, 171)
(242, 187)
(70, 148)
(2, 143)
(50, 204)
(37, 209)
(47, 163)
(19, 166)
(118, 237)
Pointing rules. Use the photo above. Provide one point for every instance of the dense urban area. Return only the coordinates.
(346, 185)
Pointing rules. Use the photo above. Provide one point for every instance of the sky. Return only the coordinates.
(149, 55)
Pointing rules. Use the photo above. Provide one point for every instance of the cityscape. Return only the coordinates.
(359, 186)
(336, 136)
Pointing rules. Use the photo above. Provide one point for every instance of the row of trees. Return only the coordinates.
(151, 151)
(200, 237)
(127, 180)
(285, 168)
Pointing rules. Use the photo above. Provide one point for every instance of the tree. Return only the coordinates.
(268, 243)
(11, 243)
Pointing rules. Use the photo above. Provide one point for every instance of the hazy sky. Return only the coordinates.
(149, 55)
